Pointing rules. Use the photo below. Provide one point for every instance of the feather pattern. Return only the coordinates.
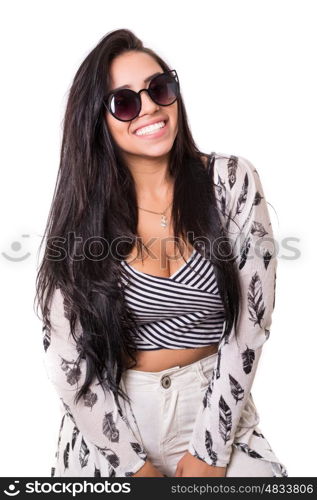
(248, 357)
(66, 456)
(138, 450)
(232, 169)
(208, 443)
(256, 305)
(225, 420)
(110, 455)
(109, 428)
(61, 426)
(282, 471)
(67, 411)
(46, 338)
(221, 191)
(244, 252)
(244, 447)
(258, 229)
(258, 434)
(267, 256)
(208, 393)
(74, 436)
(206, 396)
(236, 389)
(257, 198)
(83, 453)
(90, 399)
(218, 364)
(72, 371)
(274, 291)
(243, 195)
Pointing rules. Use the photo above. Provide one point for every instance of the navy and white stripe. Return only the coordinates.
(182, 311)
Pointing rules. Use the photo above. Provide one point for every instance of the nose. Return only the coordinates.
(147, 105)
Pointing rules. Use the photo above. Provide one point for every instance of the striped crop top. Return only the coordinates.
(182, 311)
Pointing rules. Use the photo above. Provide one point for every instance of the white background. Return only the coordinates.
(248, 77)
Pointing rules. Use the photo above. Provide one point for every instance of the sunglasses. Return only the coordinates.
(125, 104)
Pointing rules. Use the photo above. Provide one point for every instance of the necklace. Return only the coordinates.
(164, 221)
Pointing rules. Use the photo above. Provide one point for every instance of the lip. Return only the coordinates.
(155, 135)
(151, 123)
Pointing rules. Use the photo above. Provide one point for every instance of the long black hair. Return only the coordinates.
(95, 201)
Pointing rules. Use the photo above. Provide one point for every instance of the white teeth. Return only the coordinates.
(150, 128)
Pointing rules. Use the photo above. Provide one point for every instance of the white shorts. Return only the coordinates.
(165, 405)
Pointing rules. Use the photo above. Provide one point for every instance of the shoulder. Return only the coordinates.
(236, 175)
(56, 308)
(233, 170)
(237, 185)
(59, 310)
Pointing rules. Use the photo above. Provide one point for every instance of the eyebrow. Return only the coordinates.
(129, 86)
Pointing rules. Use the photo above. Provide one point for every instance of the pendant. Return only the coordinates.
(163, 220)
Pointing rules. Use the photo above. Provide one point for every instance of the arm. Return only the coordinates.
(96, 416)
(239, 194)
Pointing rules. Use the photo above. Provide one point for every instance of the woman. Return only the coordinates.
(157, 283)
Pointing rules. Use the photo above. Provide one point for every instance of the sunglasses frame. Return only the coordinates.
(109, 96)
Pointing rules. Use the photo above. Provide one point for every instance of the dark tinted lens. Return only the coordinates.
(164, 89)
(124, 104)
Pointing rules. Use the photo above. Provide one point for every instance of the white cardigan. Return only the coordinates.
(243, 210)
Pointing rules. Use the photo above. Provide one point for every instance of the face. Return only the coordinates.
(131, 70)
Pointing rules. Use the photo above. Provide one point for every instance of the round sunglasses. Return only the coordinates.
(125, 104)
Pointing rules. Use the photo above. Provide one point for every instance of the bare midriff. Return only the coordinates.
(162, 359)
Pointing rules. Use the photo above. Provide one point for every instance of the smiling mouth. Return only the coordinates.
(150, 129)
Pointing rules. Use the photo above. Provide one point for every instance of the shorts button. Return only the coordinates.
(166, 381)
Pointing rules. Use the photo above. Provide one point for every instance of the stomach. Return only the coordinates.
(162, 359)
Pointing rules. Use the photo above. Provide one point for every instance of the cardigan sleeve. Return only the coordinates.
(96, 415)
(243, 210)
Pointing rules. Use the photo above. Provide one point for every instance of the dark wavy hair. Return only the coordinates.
(95, 201)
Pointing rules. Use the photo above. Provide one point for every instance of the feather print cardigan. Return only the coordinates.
(244, 213)
(96, 416)
(241, 204)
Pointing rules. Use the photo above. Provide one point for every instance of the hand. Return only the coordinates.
(190, 466)
(148, 470)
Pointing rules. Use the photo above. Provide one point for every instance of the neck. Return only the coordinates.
(151, 177)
